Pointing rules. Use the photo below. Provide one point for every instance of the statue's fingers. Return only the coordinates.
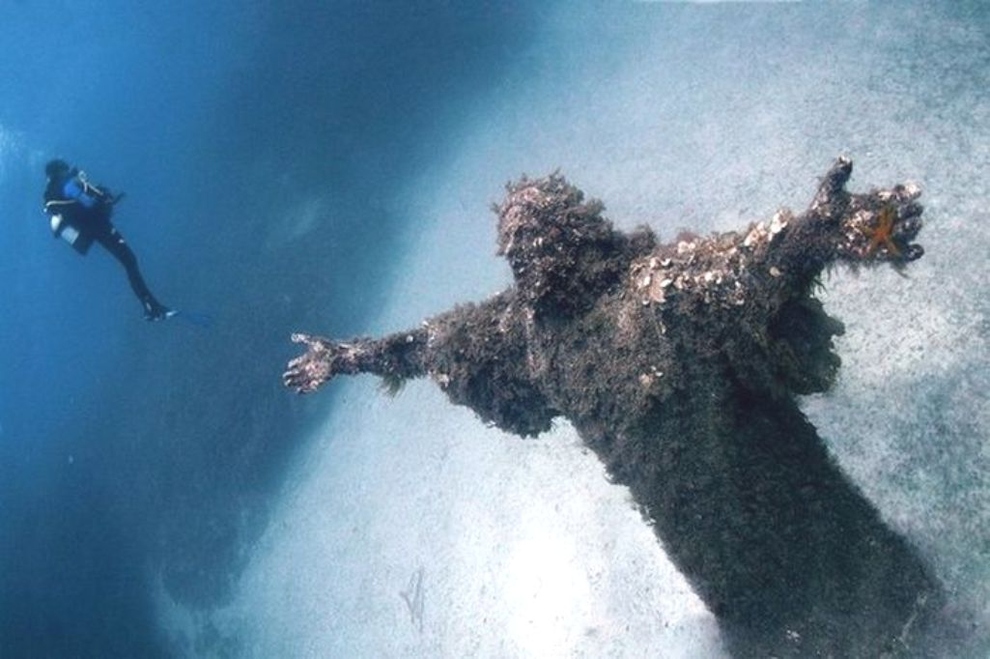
(908, 228)
(908, 191)
(297, 380)
(298, 364)
(292, 371)
(910, 209)
(316, 345)
(913, 252)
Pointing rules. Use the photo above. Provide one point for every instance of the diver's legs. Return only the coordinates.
(114, 243)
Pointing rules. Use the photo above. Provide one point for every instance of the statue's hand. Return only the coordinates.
(881, 225)
(875, 227)
(316, 366)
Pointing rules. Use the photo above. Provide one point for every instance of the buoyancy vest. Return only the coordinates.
(74, 207)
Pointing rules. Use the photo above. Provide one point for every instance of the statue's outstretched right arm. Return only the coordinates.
(398, 356)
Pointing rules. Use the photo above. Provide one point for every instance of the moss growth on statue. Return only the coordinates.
(679, 365)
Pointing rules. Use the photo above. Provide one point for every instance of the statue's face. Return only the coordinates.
(518, 223)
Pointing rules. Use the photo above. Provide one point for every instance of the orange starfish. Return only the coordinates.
(883, 234)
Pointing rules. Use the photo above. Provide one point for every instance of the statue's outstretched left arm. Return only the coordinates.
(878, 226)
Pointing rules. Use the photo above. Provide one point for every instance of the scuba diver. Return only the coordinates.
(80, 214)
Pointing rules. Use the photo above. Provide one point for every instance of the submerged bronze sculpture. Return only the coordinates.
(679, 364)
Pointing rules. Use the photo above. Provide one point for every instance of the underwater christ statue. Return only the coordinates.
(679, 364)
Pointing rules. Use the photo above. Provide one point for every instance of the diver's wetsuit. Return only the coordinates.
(87, 209)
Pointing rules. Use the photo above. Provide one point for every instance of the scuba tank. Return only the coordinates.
(70, 234)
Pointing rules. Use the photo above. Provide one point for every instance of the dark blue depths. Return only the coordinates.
(138, 459)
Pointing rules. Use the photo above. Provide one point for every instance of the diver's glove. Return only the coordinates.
(108, 197)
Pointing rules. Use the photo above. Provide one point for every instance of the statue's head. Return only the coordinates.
(559, 246)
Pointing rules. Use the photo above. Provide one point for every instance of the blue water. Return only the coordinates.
(130, 449)
(268, 153)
